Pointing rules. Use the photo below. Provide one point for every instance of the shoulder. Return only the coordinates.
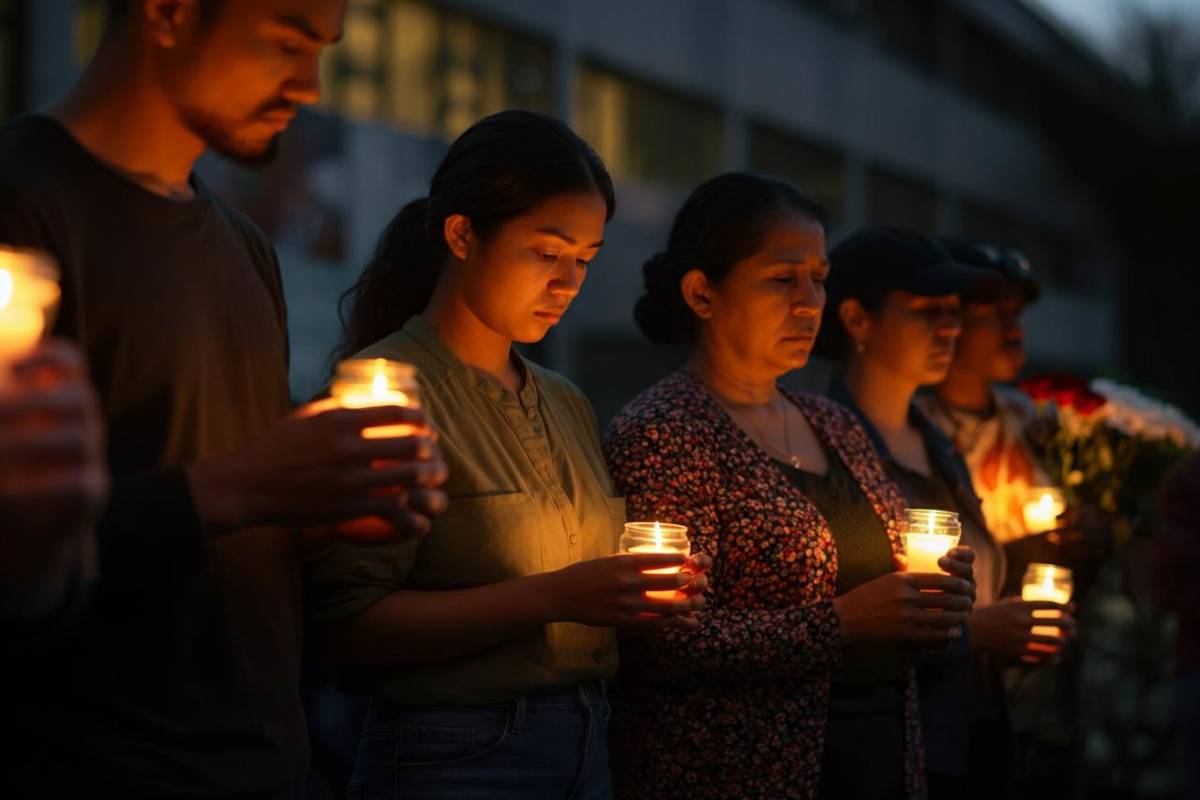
(675, 402)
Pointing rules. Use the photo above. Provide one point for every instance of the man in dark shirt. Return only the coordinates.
(180, 677)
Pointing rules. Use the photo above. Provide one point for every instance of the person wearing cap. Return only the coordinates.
(987, 421)
(893, 299)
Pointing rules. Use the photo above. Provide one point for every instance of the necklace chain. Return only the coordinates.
(792, 458)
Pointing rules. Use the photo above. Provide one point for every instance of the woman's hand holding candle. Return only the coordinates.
(914, 607)
(613, 591)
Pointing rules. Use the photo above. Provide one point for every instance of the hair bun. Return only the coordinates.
(655, 310)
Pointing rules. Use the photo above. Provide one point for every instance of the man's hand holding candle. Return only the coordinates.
(318, 468)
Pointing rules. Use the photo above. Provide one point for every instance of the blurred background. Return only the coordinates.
(1068, 129)
(1065, 128)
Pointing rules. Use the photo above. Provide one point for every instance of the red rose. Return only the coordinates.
(1087, 402)
(1037, 388)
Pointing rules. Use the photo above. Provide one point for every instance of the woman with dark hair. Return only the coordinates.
(895, 298)
(485, 646)
(796, 681)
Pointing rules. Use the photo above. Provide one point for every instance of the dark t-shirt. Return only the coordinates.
(180, 677)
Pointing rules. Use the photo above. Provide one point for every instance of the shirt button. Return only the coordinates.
(532, 412)
(573, 539)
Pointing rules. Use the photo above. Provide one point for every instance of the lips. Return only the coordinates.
(550, 314)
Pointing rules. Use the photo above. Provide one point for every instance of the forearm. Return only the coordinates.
(421, 627)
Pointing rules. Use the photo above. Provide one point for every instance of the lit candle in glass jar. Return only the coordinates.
(1047, 582)
(1043, 509)
(369, 382)
(929, 534)
(29, 296)
(657, 537)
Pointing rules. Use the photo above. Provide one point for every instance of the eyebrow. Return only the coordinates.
(305, 28)
(568, 239)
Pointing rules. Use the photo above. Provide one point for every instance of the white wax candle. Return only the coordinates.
(924, 549)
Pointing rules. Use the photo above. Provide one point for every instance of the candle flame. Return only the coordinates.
(6, 288)
(658, 539)
(1048, 581)
(379, 385)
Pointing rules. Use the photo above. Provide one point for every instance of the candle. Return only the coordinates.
(28, 297)
(1047, 582)
(928, 535)
(656, 537)
(1043, 509)
(369, 382)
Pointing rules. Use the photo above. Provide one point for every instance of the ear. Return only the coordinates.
(856, 320)
(166, 20)
(697, 293)
(459, 236)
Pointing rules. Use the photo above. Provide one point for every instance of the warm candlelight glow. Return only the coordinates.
(1047, 582)
(928, 535)
(656, 537)
(29, 295)
(1043, 509)
(369, 382)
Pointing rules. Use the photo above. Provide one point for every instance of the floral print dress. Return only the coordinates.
(736, 708)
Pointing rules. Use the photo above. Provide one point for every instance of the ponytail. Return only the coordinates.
(397, 282)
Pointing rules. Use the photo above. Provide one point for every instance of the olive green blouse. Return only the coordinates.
(529, 493)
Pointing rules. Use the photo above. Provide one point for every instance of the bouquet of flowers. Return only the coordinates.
(1108, 445)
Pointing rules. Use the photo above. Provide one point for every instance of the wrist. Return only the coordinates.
(547, 596)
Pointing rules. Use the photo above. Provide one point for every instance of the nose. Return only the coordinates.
(567, 279)
(809, 299)
(304, 87)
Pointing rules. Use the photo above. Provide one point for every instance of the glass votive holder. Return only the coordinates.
(369, 382)
(29, 296)
(1042, 509)
(928, 534)
(1047, 582)
(656, 537)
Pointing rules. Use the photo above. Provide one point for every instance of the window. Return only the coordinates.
(817, 169)
(432, 70)
(900, 200)
(11, 71)
(647, 133)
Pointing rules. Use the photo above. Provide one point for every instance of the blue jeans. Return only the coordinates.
(551, 743)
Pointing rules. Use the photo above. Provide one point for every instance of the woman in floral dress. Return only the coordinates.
(797, 681)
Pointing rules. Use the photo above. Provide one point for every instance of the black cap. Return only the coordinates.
(876, 260)
(1012, 265)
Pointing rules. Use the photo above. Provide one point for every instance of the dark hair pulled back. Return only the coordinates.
(500, 168)
(722, 222)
